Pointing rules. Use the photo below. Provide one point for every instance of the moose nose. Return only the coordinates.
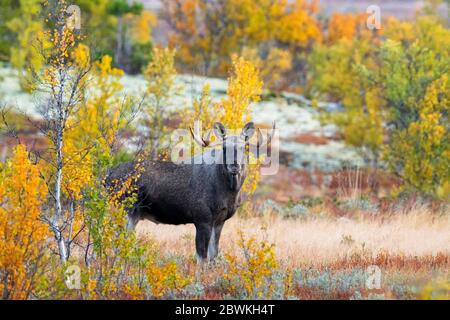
(234, 169)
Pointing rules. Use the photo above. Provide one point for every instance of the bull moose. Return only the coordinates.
(205, 194)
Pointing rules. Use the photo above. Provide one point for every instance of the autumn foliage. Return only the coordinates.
(24, 237)
(208, 34)
(393, 88)
(252, 271)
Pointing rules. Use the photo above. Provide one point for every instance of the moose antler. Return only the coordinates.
(204, 142)
(260, 142)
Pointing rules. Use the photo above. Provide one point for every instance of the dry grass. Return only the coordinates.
(411, 249)
(326, 241)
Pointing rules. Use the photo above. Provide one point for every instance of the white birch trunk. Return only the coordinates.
(58, 213)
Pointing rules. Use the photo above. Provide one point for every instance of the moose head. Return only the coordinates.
(235, 149)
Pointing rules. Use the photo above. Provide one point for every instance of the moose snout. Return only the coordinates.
(234, 169)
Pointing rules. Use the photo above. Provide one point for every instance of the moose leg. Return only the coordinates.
(202, 240)
(213, 247)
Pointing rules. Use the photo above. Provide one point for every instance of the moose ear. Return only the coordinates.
(219, 130)
(248, 131)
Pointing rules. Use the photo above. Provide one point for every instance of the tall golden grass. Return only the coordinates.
(317, 242)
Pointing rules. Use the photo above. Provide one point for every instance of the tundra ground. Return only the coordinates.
(330, 256)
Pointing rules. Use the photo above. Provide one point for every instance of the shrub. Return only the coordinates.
(166, 278)
(23, 245)
(437, 289)
(250, 275)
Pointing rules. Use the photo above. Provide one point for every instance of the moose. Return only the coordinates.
(205, 194)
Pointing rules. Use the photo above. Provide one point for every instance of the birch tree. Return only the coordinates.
(63, 80)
